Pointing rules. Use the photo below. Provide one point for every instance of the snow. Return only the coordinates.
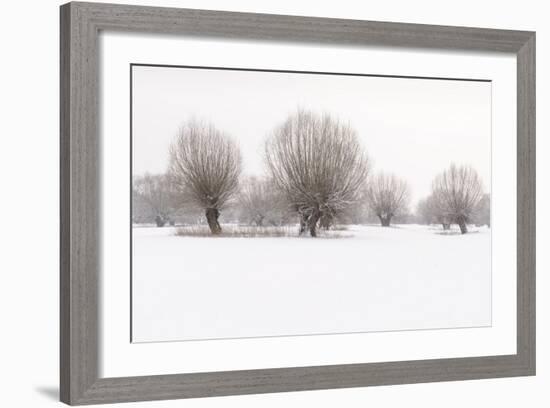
(371, 279)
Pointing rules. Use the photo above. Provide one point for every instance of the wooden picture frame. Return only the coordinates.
(80, 190)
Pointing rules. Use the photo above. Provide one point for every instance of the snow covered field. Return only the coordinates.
(371, 279)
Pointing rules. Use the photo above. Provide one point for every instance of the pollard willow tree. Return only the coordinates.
(205, 165)
(319, 164)
(483, 211)
(153, 198)
(431, 212)
(387, 197)
(457, 192)
(260, 203)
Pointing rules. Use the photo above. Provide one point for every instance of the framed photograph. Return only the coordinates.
(259, 203)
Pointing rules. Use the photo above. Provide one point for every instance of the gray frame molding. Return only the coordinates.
(80, 234)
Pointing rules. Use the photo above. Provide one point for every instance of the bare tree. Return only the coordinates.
(357, 214)
(388, 196)
(430, 212)
(319, 165)
(457, 191)
(483, 211)
(153, 198)
(205, 165)
(261, 204)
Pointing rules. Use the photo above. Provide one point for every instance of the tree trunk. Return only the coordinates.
(260, 221)
(312, 222)
(212, 215)
(303, 223)
(463, 227)
(159, 220)
(325, 221)
(385, 221)
(446, 226)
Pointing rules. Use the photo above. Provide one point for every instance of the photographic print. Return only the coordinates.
(283, 203)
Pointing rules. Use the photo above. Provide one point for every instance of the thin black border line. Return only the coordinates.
(284, 71)
(131, 203)
(132, 65)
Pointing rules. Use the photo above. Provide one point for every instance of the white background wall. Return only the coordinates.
(29, 203)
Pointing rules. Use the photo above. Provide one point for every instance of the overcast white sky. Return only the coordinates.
(412, 127)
